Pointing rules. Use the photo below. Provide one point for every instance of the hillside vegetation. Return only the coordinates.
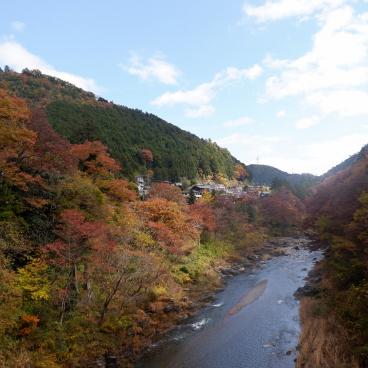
(89, 270)
(335, 321)
(79, 116)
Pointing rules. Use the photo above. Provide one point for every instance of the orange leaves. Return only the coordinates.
(29, 324)
(168, 192)
(16, 142)
(240, 172)
(13, 109)
(94, 159)
(170, 224)
(162, 210)
(204, 216)
(76, 238)
(118, 189)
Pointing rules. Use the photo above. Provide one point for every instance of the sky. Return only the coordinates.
(277, 82)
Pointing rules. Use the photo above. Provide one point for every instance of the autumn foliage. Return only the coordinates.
(86, 266)
(338, 210)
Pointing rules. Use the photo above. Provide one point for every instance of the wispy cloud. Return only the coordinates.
(273, 10)
(333, 75)
(244, 120)
(155, 68)
(200, 97)
(201, 111)
(281, 114)
(308, 122)
(18, 57)
(18, 26)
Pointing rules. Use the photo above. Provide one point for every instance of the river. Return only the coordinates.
(252, 323)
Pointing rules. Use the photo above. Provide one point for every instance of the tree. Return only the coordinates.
(52, 153)
(33, 280)
(118, 189)
(167, 191)
(10, 299)
(119, 275)
(77, 238)
(282, 210)
(95, 160)
(240, 172)
(169, 224)
(147, 156)
(359, 225)
(192, 198)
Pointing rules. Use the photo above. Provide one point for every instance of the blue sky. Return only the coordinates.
(284, 81)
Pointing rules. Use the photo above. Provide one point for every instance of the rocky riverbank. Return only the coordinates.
(252, 322)
(165, 314)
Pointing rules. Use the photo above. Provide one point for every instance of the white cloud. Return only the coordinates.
(18, 26)
(333, 75)
(273, 10)
(200, 97)
(244, 120)
(305, 123)
(202, 111)
(155, 68)
(281, 114)
(17, 57)
(321, 156)
(345, 103)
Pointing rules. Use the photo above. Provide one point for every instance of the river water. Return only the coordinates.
(252, 323)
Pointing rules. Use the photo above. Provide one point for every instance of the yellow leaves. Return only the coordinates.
(240, 172)
(206, 198)
(10, 298)
(158, 291)
(37, 202)
(33, 280)
(143, 239)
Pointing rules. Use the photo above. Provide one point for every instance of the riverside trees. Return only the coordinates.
(84, 263)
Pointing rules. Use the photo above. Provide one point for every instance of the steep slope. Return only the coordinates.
(347, 163)
(337, 197)
(78, 115)
(337, 335)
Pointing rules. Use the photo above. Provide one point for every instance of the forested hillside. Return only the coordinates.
(335, 321)
(78, 116)
(89, 270)
(268, 175)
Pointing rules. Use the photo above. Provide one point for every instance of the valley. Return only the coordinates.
(126, 241)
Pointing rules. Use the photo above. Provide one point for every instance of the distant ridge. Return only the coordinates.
(271, 176)
(265, 175)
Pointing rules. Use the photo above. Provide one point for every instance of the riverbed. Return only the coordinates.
(252, 323)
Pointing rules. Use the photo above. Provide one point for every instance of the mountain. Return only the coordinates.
(347, 163)
(337, 196)
(300, 183)
(79, 116)
(269, 175)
